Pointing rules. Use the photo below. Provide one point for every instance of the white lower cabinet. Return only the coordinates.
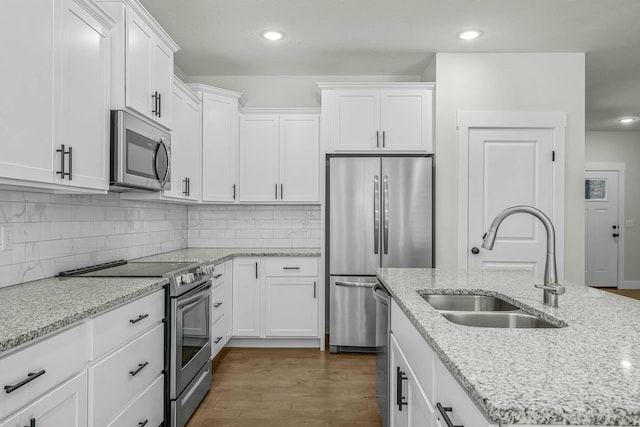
(220, 307)
(419, 379)
(275, 298)
(146, 410)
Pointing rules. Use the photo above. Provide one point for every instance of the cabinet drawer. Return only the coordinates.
(56, 358)
(122, 375)
(120, 325)
(292, 266)
(218, 336)
(217, 277)
(217, 303)
(146, 409)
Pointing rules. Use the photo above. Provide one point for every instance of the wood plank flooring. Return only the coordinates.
(289, 387)
(631, 293)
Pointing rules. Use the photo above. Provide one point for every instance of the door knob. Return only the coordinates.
(475, 250)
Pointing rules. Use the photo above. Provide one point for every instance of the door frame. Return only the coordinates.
(470, 120)
(620, 168)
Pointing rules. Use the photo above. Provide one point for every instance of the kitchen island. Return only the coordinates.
(585, 373)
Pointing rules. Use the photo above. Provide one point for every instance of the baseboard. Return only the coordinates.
(274, 342)
(630, 284)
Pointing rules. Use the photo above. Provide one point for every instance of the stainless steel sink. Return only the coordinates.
(485, 312)
(518, 319)
(468, 303)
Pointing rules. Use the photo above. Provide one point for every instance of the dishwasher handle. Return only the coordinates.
(380, 294)
(355, 284)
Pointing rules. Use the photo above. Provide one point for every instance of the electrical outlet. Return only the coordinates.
(628, 223)
(6, 238)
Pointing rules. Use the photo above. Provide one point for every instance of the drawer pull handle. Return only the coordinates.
(32, 423)
(291, 268)
(400, 399)
(141, 366)
(143, 423)
(30, 377)
(216, 305)
(142, 316)
(217, 276)
(443, 411)
(217, 340)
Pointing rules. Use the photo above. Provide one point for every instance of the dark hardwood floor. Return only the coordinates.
(290, 387)
(631, 293)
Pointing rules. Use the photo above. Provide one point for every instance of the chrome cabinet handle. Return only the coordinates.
(141, 366)
(385, 214)
(443, 411)
(376, 214)
(400, 399)
(30, 377)
(142, 316)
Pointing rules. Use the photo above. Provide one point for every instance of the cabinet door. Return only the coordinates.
(219, 148)
(26, 110)
(185, 147)
(138, 60)
(399, 414)
(291, 307)
(247, 286)
(228, 288)
(259, 169)
(82, 97)
(162, 82)
(406, 120)
(64, 406)
(299, 151)
(356, 120)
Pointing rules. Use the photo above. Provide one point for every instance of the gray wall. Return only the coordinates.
(623, 147)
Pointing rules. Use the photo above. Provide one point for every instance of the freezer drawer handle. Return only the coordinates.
(443, 411)
(30, 377)
(355, 284)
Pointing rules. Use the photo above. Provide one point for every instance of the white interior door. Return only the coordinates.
(601, 227)
(508, 167)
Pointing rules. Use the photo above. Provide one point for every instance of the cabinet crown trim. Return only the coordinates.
(149, 20)
(186, 90)
(374, 85)
(97, 12)
(199, 87)
(280, 110)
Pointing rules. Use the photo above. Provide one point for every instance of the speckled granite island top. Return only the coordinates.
(219, 255)
(31, 310)
(587, 373)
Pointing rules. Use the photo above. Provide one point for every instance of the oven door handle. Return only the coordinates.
(192, 300)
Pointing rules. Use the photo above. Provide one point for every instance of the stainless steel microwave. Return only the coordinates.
(140, 154)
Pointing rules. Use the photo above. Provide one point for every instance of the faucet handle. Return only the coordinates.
(554, 288)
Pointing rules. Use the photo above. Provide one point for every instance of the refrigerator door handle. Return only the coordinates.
(376, 214)
(354, 284)
(385, 214)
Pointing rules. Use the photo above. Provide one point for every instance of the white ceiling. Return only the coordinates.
(399, 37)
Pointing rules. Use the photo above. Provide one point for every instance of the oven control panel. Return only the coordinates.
(196, 275)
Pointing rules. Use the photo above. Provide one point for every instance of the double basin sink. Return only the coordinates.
(484, 311)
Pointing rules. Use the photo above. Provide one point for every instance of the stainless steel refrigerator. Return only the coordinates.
(380, 215)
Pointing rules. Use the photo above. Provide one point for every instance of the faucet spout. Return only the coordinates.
(550, 286)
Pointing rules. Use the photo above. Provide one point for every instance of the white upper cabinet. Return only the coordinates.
(279, 157)
(58, 87)
(219, 143)
(370, 117)
(142, 62)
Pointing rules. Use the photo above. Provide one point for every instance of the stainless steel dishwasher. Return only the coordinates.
(382, 298)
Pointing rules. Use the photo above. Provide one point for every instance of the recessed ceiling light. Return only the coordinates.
(469, 34)
(272, 35)
(627, 119)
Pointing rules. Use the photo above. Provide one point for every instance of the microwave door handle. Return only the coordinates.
(164, 146)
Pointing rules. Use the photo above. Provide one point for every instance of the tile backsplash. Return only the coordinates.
(53, 232)
(254, 226)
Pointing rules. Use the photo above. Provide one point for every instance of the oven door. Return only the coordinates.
(141, 154)
(190, 342)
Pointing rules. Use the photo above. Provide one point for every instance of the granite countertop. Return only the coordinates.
(31, 310)
(219, 255)
(587, 373)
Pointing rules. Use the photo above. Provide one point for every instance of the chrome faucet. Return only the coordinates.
(550, 286)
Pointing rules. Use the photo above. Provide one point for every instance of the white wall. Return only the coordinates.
(284, 91)
(53, 233)
(254, 226)
(513, 82)
(623, 147)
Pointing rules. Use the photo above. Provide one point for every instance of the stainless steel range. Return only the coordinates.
(189, 349)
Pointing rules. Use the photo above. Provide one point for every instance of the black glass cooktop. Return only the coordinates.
(125, 269)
